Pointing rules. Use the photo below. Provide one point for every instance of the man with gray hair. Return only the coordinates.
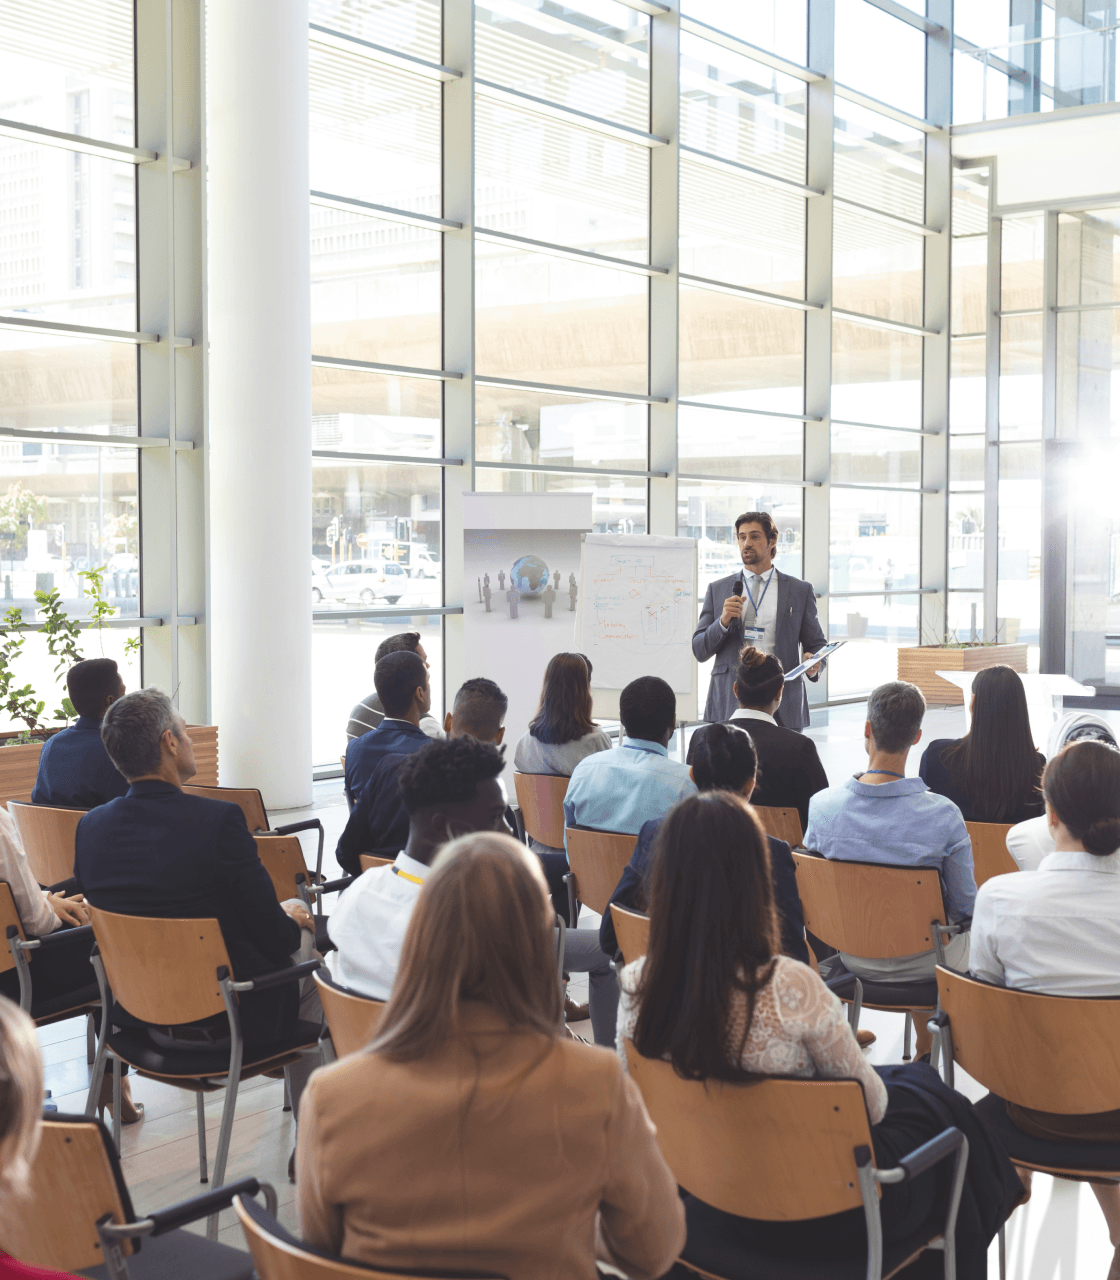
(159, 852)
(882, 816)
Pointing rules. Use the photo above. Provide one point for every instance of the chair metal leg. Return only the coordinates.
(200, 1102)
(97, 1076)
(91, 1040)
(1002, 1253)
(906, 1038)
(856, 1007)
(287, 1092)
(117, 1103)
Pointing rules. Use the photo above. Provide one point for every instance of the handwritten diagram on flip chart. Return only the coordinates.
(638, 609)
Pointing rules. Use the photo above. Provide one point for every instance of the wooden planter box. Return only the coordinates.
(918, 665)
(19, 765)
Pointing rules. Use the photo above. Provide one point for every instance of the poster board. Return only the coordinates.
(637, 612)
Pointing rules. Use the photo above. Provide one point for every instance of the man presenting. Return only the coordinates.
(772, 611)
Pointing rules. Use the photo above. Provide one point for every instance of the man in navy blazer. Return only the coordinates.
(75, 771)
(401, 681)
(157, 851)
(774, 612)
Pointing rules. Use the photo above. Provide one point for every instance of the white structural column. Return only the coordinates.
(260, 395)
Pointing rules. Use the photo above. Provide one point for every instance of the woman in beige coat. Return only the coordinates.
(474, 1133)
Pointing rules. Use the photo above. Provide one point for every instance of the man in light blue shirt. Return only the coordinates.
(622, 789)
(882, 816)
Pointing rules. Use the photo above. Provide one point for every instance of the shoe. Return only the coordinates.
(292, 1167)
(865, 1038)
(575, 1012)
(131, 1112)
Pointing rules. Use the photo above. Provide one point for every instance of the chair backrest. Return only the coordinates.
(282, 858)
(47, 836)
(779, 1150)
(597, 860)
(162, 971)
(1051, 1053)
(631, 930)
(351, 1018)
(782, 824)
(367, 860)
(868, 910)
(75, 1180)
(9, 916)
(540, 796)
(280, 1256)
(989, 850)
(247, 799)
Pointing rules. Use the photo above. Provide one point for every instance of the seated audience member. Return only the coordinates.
(402, 685)
(369, 713)
(75, 771)
(448, 789)
(882, 816)
(621, 789)
(378, 823)
(559, 736)
(473, 1135)
(1057, 929)
(714, 996)
(789, 769)
(21, 1122)
(1029, 842)
(162, 853)
(992, 774)
(723, 759)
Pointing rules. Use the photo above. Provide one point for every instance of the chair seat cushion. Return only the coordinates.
(77, 999)
(182, 1255)
(1027, 1149)
(910, 995)
(134, 1046)
(717, 1244)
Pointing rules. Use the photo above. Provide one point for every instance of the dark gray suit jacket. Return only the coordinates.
(796, 629)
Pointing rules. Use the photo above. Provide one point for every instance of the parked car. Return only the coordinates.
(320, 583)
(367, 581)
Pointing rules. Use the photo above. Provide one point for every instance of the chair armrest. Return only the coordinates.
(66, 935)
(190, 1210)
(64, 886)
(275, 979)
(308, 824)
(335, 886)
(948, 1142)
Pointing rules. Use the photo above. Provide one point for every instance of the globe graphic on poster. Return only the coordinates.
(529, 575)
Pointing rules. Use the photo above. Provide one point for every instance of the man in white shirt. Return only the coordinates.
(450, 788)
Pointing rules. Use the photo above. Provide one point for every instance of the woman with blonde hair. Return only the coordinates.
(21, 1103)
(473, 1132)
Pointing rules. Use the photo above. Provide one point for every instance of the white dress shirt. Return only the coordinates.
(1029, 842)
(765, 592)
(369, 923)
(749, 713)
(1056, 930)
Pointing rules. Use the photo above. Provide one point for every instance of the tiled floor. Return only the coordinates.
(1059, 1235)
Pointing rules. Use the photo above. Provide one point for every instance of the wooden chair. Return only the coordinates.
(77, 1215)
(351, 1017)
(989, 850)
(597, 860)
(168, 972)
(278, 1255)
(782, 824)
(631, 931)
(19, 953)
(47, 836)
(540, 797)
(782, 1151)
(878, 912)
(282, 858)
(367, 860)
(1059, 1054)
(251, 804)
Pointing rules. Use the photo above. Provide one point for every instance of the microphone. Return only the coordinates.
(737, 588)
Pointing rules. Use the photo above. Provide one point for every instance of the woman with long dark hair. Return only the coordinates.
(992, 774)
(790, 771)
(474, 1134)
(560, 735)
(1057, 930)
(714, 997)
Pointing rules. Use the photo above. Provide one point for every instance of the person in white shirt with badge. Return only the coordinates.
(762, 607)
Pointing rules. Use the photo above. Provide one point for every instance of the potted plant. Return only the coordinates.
(919, 664)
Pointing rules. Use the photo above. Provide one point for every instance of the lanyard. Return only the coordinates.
(762, 594)
(406, 876)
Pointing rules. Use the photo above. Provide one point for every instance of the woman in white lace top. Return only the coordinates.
(714, 996)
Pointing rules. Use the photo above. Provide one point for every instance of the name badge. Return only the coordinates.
(754, 635)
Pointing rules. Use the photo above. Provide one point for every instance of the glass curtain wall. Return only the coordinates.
(587, 140)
